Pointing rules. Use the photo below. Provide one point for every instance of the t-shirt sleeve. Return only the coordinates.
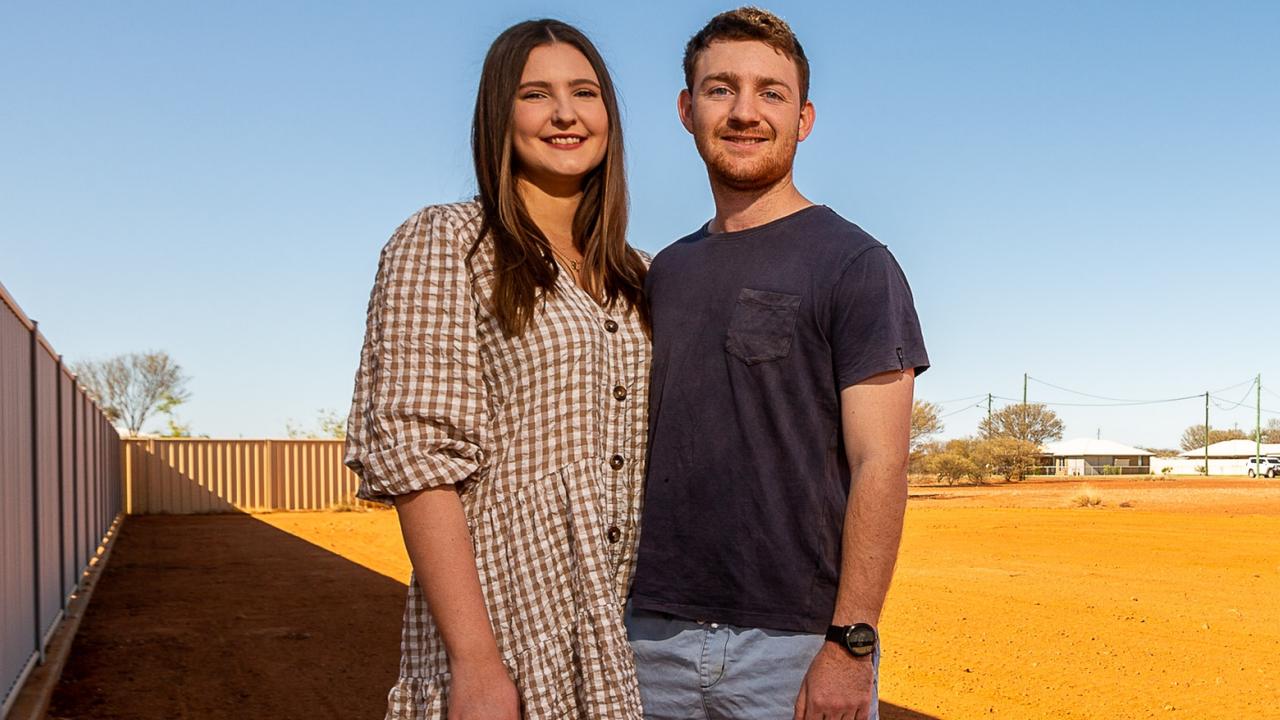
(874, 327)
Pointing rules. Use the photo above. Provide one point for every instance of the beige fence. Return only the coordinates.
(197, 475)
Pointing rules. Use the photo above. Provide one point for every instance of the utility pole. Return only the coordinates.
(1206, 434)
(1257, 463)
(988, 409)
(1024, 389)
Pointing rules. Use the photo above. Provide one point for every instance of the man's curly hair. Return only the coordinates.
(749, 23)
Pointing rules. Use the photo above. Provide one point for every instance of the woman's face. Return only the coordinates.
(561, 126)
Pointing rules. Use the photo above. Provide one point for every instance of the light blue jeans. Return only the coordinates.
(710, 671)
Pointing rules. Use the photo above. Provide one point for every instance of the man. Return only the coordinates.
(785, 349)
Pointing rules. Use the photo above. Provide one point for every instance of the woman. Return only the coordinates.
(500, 403)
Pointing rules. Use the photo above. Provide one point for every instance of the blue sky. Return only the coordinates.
(1084, 191)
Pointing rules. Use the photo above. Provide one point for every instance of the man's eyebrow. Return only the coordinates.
(734, 78)
(543, 84)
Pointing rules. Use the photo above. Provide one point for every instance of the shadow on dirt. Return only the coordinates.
(220, 616)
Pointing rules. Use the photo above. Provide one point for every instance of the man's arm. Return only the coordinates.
(876, 420)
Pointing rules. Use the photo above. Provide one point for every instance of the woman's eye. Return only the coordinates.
(587, 94)
(533, 95)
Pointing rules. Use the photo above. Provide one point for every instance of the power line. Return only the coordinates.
(1077, 392)
(1115, 404)
(1238, 403)
(957, 412)
(956, 400)
(1131, 401)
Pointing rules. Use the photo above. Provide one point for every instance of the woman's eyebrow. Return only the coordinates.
(543, 84)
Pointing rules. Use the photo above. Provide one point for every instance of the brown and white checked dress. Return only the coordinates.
(544, 434)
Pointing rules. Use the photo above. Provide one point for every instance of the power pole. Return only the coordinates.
(1257, 463)
(1206, 434)
(1024, 388)
(988, 409)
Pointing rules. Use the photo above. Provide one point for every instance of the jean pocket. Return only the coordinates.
(762, 326)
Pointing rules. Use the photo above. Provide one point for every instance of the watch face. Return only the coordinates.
(860, 639)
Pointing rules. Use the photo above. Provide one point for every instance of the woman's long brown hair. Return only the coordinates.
(524, 264)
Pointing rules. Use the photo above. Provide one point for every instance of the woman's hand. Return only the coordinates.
(482, 692)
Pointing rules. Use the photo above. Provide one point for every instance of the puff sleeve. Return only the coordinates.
(419, 412)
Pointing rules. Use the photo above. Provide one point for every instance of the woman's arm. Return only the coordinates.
(444, 563)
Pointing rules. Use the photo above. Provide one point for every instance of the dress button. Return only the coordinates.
(611, 326)
(614, 534)
(616, 462)
(619, 393)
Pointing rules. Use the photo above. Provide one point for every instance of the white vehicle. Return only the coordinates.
(1266, 466)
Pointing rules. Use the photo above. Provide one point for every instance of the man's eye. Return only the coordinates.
(718, 91)
(773, 95)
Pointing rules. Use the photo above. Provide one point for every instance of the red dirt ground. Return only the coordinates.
(1010, 601)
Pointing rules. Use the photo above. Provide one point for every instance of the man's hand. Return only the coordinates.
(838, 686)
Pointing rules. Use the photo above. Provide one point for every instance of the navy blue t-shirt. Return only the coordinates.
(755, 333)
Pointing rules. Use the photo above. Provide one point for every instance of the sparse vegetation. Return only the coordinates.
(1087, 497)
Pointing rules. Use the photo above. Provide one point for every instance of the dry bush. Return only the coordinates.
(1087, 497)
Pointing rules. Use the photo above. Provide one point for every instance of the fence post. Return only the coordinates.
(62, 502)
(35, 488)
(75, 477)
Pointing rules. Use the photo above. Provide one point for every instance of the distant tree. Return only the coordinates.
(1011, 458)
(954, 462)
(132, 387)
(1193, 437)
(924, 423)
(176, 429)
(329, 424)
(1270, 432)
(1031, 422)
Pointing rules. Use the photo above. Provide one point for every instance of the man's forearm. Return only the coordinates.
(872, 533)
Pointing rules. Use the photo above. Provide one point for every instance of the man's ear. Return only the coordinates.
(806, 121)
(684, 106)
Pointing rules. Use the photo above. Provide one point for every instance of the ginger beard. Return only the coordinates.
(746, 171)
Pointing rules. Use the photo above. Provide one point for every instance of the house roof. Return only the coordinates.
(1080, 447)
(1233, 449)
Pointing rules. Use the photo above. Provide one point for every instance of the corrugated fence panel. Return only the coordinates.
(199, 475)
(17, 561)
(59, 491)
(47, 485)
(66, 481)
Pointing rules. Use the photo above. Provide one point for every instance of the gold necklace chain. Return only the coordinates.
(574, 265)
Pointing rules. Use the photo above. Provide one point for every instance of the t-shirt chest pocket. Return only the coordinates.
(763, 326)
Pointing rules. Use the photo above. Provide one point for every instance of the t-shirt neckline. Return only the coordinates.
(706, 233)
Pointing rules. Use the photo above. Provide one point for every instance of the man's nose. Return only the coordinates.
(744, 110)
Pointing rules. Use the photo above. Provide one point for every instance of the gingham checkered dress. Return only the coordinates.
(544, 434)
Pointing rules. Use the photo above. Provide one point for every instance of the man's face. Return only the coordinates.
(745, 113)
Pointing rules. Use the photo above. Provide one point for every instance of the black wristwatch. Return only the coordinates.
(860, 639)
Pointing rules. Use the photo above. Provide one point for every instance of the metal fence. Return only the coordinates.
(59, 491)
(199, 475)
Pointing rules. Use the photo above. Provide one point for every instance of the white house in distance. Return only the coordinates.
(1225, 458)
(1087, 456)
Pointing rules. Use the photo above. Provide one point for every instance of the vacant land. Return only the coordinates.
(1150, 599)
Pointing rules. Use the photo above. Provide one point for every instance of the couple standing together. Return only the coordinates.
(628, 490)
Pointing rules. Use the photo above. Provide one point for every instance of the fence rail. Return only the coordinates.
(59, 491)
(200, 475)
